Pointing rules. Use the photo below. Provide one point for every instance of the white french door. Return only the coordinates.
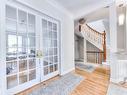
(50, 48)
(23, 68)
(21, 62)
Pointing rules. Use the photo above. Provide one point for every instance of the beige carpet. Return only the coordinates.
(85, 67)
(63, 86)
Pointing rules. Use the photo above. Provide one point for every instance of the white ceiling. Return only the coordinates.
(76, 6)
(102, 13)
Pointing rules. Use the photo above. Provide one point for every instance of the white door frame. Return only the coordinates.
(2, 49)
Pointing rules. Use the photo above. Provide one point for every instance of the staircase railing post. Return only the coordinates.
(104, 45)
(80, 27)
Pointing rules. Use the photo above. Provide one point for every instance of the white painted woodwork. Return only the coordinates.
(113, 27)
(118, 67)
(2, 49)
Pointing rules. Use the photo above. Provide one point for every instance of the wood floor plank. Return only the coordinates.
(95, 83)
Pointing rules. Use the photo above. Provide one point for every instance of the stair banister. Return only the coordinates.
(99, 39)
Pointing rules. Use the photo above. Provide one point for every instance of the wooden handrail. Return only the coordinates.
(94, 29)
(80, 27)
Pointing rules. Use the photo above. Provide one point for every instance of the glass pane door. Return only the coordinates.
(20, 47)
(50, 47)
(21, 61)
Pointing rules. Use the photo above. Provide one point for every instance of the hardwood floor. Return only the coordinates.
(95, 83)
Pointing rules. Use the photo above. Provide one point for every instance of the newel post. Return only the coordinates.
(80, 27)
(81, 22)
(104, 46)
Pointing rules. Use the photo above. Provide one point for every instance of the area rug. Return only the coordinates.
(63, 86)
(116, 90)
(85, 67)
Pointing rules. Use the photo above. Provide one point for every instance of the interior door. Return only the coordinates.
(20, 49)
(50, 45)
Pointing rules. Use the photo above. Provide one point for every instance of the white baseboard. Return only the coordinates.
(106, 63)
(120, 50)
(65, 72)
(116, 80)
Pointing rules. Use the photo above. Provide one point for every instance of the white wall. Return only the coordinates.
(106, 25)
(121, 38)
(101, 26)
(67, 30)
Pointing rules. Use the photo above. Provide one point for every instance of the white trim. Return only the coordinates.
(122, 60)
(49, 76)
(116, 80)
(22, 87)
(2, 48)
(126, 30)
(65, 72)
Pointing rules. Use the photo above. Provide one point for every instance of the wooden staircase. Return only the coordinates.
(94, 37)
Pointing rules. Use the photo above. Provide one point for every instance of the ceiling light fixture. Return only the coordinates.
(121, 19)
